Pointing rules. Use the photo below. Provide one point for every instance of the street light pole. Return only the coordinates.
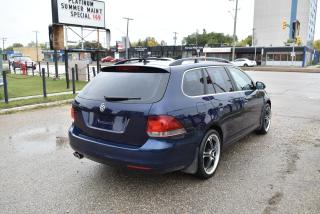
(235, 31)
(127, 38)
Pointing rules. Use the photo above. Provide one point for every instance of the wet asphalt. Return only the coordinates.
(275, 173)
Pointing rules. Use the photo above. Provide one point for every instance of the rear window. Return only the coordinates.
(148, 87)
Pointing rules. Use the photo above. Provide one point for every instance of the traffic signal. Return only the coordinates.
(284, 24)
(293, 32)
(298, 40)
(295, 29)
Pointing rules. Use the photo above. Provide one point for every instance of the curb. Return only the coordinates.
(35, 106)
(39, 96)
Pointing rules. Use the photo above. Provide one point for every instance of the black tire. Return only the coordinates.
(266, 120)
(245, 65)
(208, 160)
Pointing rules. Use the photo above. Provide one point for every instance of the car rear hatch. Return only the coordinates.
(114, 106)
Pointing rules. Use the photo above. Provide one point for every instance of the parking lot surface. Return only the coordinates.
(275, 173)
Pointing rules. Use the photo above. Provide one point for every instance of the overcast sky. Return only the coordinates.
(151, 18)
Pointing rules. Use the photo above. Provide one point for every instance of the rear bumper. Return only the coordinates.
(155, 156)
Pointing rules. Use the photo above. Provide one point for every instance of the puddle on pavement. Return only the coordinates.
(38, 141)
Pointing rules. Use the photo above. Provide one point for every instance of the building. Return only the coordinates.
(268, 56)
(269, 15)
(30, 52)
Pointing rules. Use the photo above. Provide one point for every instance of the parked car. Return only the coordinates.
(108, 59)
(162, 118)
(12, 56)
(17, 61)
(243, 62)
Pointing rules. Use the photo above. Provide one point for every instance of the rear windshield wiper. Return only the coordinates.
(114, 99)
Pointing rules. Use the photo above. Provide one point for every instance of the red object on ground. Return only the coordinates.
(23, 68)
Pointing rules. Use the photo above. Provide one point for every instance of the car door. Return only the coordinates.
(226, 102)
(252, 98)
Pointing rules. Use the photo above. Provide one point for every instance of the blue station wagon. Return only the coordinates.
(160, 116)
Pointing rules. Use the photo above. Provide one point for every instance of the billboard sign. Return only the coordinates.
(86, 13)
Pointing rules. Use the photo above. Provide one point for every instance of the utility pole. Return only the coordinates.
(3, 41)
(235, 31)
(197, 48)
(254, 43)
(197, 32)
(36, 32)
(127, 38)
(175, 38)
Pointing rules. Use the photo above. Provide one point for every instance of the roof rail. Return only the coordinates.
(198, 59)
(144, 60)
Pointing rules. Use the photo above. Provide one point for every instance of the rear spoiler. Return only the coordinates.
(134, 69)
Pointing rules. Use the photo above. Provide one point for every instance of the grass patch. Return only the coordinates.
(21, 85)
(32, 101)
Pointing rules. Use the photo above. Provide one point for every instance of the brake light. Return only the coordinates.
(127, 68)
(164, 126)
(73, 113)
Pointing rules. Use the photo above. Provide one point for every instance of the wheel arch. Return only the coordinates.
(269, 102)
(219, 130)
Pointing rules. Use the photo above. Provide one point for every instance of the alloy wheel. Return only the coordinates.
(267, 118)
(211, 154)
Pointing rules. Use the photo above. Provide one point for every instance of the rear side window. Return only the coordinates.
(220, 79)
(193, 84)
(147, 87)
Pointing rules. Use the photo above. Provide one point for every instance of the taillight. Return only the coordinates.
(164, 126)
(73, 114)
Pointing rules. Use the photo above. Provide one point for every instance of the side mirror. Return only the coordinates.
(260, 86)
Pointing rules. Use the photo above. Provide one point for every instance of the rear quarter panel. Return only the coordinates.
(191, 112)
